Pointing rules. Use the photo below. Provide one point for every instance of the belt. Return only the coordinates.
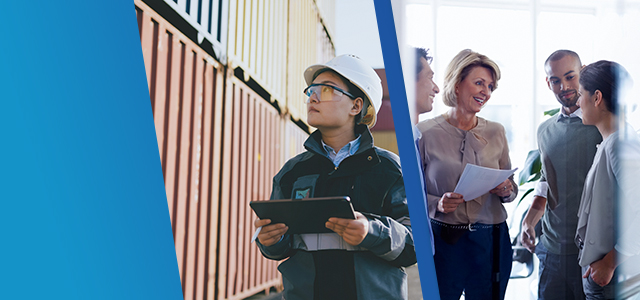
(470, 227)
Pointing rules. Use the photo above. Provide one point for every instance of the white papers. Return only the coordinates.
(477, 181)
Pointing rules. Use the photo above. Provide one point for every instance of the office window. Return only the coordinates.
(519, 36)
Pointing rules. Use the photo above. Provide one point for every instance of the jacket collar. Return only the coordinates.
(314, 142)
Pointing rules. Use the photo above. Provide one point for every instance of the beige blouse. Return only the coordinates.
(445, 152)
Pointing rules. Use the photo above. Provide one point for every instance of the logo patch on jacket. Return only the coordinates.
(302, 193)
(303, 186)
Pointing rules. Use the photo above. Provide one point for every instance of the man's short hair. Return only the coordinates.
(424, 53)
(559, 54)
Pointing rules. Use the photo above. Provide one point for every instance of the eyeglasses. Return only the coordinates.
(324, 92)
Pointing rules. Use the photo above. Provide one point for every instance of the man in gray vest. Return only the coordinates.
(567, 148)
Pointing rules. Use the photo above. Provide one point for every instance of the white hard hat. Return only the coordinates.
(359, 74)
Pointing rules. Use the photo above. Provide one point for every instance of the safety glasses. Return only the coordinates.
(324, 92)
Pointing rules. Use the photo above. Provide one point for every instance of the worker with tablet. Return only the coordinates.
(361, 257)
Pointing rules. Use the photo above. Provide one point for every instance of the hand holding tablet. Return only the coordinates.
(352, 231)
(299, 215)
(268, 233)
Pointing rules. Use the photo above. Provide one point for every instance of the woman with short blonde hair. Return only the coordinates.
(459, 68)
(470, 235)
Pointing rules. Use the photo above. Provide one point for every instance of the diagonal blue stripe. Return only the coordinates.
(406, 147)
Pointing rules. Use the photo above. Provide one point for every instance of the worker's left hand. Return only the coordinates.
(601, 271)
(352, 231)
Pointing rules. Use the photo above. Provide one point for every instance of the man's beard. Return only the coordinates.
(571, 102)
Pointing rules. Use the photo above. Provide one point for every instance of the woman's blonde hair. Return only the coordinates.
(458, 69)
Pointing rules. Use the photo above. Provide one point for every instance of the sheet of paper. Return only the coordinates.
(477, 181)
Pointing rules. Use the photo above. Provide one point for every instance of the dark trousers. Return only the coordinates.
(465, 263)
(335, 275)
(595, 292)
(560, 276)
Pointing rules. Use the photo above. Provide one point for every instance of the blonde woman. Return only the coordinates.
(471, 237)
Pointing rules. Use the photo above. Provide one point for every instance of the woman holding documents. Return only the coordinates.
(363, 258)
(471, 236)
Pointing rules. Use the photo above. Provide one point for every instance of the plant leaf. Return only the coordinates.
(525, 195)
(532, 166)
(552, 112)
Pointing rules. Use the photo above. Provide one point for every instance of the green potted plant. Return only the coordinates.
(531, 172)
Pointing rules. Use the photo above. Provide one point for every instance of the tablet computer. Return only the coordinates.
(304, 215)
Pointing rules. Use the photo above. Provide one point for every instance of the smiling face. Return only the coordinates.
(474, 91)
(339, 112)
(562, 79)
(426, 88)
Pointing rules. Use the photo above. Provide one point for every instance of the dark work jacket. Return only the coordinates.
(372, 178)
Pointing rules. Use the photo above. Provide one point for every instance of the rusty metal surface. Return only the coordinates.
(186, 93)
(186, 88)
(251, 158)
(204, 21)
(220, 143)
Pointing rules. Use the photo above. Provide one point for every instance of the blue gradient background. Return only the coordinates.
(84, 210)
(406, 147)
